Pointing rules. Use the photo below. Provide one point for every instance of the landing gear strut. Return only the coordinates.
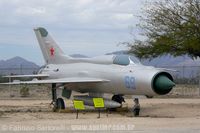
(54, 94)
(58, 103)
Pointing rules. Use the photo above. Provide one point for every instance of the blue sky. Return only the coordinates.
(89, 27)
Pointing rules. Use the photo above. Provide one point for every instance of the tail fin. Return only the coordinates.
(50, 50)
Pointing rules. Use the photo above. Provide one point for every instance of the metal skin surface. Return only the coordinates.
(99, 74)
(114, 73)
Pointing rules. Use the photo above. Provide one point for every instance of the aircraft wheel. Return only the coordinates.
(119, 99)
(60, 103)
(149, 96)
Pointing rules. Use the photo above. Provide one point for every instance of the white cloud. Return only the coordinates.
(123, 16)
(30, 11)
(75, 11)
(97, 23)
(82, 3)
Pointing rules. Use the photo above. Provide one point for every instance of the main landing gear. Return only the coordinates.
(58, 103)
(117, 98)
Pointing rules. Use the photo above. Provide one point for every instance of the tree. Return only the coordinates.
(169, 27)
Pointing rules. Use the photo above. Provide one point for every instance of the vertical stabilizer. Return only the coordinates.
(50, 50)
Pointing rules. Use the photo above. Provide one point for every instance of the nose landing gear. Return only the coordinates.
(136, 107)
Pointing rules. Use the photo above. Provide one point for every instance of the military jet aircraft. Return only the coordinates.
(115, 74)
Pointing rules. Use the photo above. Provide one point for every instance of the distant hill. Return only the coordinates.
(168, 60)
(78, 56)
(17, 65)
(186, 66)
(118, 52)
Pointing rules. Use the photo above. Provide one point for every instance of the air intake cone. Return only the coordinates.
(163, 85)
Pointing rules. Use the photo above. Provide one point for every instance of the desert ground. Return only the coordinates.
(34, 114)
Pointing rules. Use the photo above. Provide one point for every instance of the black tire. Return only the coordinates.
(136, 112)
(149, 96)
(60, 104)
(119, 99)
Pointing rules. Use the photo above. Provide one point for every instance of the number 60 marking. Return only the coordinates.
(129, 82)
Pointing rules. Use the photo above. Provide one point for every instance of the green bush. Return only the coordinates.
(24, 91)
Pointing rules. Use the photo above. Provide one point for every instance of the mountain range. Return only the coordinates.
(17, 65)
(166, 60)
(186, 66)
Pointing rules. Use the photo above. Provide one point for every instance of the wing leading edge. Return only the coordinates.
(61, 80)
(27, 76)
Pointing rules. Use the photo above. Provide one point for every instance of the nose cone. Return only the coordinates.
(163, 85)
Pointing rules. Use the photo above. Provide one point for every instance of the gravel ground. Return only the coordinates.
(157, 115)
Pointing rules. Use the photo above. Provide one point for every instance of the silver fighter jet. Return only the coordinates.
(114, 74)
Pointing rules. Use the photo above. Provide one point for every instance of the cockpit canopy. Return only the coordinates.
(125, 60)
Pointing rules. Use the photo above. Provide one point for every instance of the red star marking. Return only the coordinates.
(52, 51)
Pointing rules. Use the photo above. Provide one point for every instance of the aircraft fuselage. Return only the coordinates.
(127, 80)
